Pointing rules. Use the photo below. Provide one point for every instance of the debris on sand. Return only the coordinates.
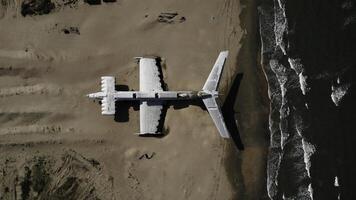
(169, 17)
(36, 7)
(146, 156)
(71, 30)
(64, 28)
(182, 19)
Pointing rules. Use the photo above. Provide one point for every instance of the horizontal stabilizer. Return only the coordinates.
(108, 84)
(108, 105)
(108, 100)
(216, 115)
(212, 82)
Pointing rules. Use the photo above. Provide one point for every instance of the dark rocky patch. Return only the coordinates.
(70, 176)
(109, 1)
(93, 2)
(36, 7)
(40, 175)
(26, 184)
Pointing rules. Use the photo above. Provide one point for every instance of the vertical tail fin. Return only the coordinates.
(212, 82)
(211, 86)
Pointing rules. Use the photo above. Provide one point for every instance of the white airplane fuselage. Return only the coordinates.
(154, 95)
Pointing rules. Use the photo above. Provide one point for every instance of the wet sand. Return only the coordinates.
(248, 167)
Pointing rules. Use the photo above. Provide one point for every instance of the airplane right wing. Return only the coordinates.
(150, 116)
(216, 114)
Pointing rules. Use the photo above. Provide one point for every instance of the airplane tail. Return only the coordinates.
(108, 101)
(106, 95)
(211, 87)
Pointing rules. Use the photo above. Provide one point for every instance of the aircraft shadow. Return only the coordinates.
(122, 107)
(229, 112)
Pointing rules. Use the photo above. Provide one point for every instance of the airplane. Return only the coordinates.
(152, 96)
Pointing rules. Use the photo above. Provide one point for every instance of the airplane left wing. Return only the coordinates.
(150, 116)
(150, 77)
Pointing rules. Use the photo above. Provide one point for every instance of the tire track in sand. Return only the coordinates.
(42, 89)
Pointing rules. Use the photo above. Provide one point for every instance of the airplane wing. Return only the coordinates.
(150, 111)
(150, 76)
(108, 101)
(216, 114)
(212, 82)
(150, 116)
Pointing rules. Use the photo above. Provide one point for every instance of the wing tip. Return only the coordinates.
(225, 53)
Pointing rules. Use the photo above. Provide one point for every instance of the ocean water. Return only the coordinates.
(308, 54)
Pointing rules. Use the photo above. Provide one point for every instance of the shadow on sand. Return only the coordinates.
(229, 112)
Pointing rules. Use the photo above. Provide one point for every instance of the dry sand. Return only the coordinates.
(45, 74)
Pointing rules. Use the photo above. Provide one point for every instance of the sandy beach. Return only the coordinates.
(48, 126)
